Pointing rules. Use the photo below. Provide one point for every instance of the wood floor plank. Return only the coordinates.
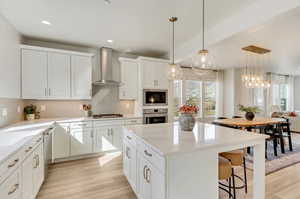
(102, 177)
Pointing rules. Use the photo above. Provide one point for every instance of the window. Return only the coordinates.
(209, 98)
(202, 94)
(280, 95)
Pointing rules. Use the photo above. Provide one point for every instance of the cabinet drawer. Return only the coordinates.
(129, 138)
(152, 156)
(11, 187)
(109, 123)
(82, 124)
(10, 165)
(29, 147)
(134, 121)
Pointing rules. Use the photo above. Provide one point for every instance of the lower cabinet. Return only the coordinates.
(61, 141)
(130, 164)
(11, 187)
(146, 179)
(33, 173)
(81, 141)
(107, 138)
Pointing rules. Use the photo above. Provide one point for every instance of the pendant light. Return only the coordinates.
(202, 59)
(174, 71)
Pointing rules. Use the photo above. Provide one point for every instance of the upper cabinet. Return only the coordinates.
(55, 74)
(34, 74)
(81, 77)
(154, 73)
(129, 78)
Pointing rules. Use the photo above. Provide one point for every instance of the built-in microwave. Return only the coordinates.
(155, 97)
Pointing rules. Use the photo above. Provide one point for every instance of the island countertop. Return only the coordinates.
(168, 138)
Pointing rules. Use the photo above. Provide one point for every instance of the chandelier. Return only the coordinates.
(256, 59)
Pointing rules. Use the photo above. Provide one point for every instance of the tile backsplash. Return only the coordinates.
(11, 111)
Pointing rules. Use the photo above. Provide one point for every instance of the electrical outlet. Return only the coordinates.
(43, 107)
(81, 107)
(19, 109)
(4, 112)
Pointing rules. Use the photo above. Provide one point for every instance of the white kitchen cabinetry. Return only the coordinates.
(129, 78)
(144, 168)
(58, 75)
(81, 77)
(55, 74)
(103, 139)
(34, 74)
(11, 187)
(154, 74)
(81, 141)
(61, 141)
(33, 173)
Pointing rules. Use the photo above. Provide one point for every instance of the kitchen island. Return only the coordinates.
(162, 162)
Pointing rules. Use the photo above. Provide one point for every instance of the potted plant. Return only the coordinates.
(249, 111)
(30, 112)
(87, 110)
(187, 115)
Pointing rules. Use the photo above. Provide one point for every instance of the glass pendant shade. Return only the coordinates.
(174, 72)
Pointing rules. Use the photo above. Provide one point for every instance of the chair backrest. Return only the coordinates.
(222, 118)
(236, 116)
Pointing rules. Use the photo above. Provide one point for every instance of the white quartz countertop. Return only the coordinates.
(13, 137)
(168, 138)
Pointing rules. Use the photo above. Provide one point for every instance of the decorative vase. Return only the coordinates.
(187, 121)
(30, 117)
(249, 116)
(88, 113)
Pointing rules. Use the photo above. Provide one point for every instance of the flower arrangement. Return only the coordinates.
(30, 112)
(190, 109)
(247, 109)
(87, 108)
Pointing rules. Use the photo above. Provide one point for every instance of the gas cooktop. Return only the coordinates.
(107, 115)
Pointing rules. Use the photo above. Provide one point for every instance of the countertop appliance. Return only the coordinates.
(155, 97)
(105, 71)
(155, 116)
(107, 116)
(47, 139)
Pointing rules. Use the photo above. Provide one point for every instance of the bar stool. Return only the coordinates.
(225, 173)
(237, 158)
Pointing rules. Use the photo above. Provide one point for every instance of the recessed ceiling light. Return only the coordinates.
(110, 41)
(107, 1)
(46, 22)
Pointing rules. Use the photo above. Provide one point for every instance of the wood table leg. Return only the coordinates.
(259, 171)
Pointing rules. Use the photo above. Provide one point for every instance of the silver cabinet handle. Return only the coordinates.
(15, 188)
(13, 164)
(144, 171)
(127, 152)
(112, 131)
(81, 124)
(37, 161)
(148, 175)
(128, 137)
(27, 150)
(147, 153)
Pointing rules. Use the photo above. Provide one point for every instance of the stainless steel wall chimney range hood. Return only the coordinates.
(105, 70)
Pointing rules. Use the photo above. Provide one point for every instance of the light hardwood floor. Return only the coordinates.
(102, 178)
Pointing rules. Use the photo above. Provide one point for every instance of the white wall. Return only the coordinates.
(9, 60)
(296, 93)
(9, 74)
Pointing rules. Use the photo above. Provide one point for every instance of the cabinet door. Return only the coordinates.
(34, 74)
(117, 135)
(161, 79)
(126, 161)
(103, 140)
(132, 167)
(59, 75)
(129, 78)
(81, 78)
(157, 182)
(61, 142)
(38, 169)
(144, 184)
(81, 142)
(27, 177)
(11, 187)
(148, 74)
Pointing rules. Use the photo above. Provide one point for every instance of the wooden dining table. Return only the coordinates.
(244, 123)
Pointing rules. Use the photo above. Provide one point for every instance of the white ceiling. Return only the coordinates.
(281, 35)
(137, 25)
